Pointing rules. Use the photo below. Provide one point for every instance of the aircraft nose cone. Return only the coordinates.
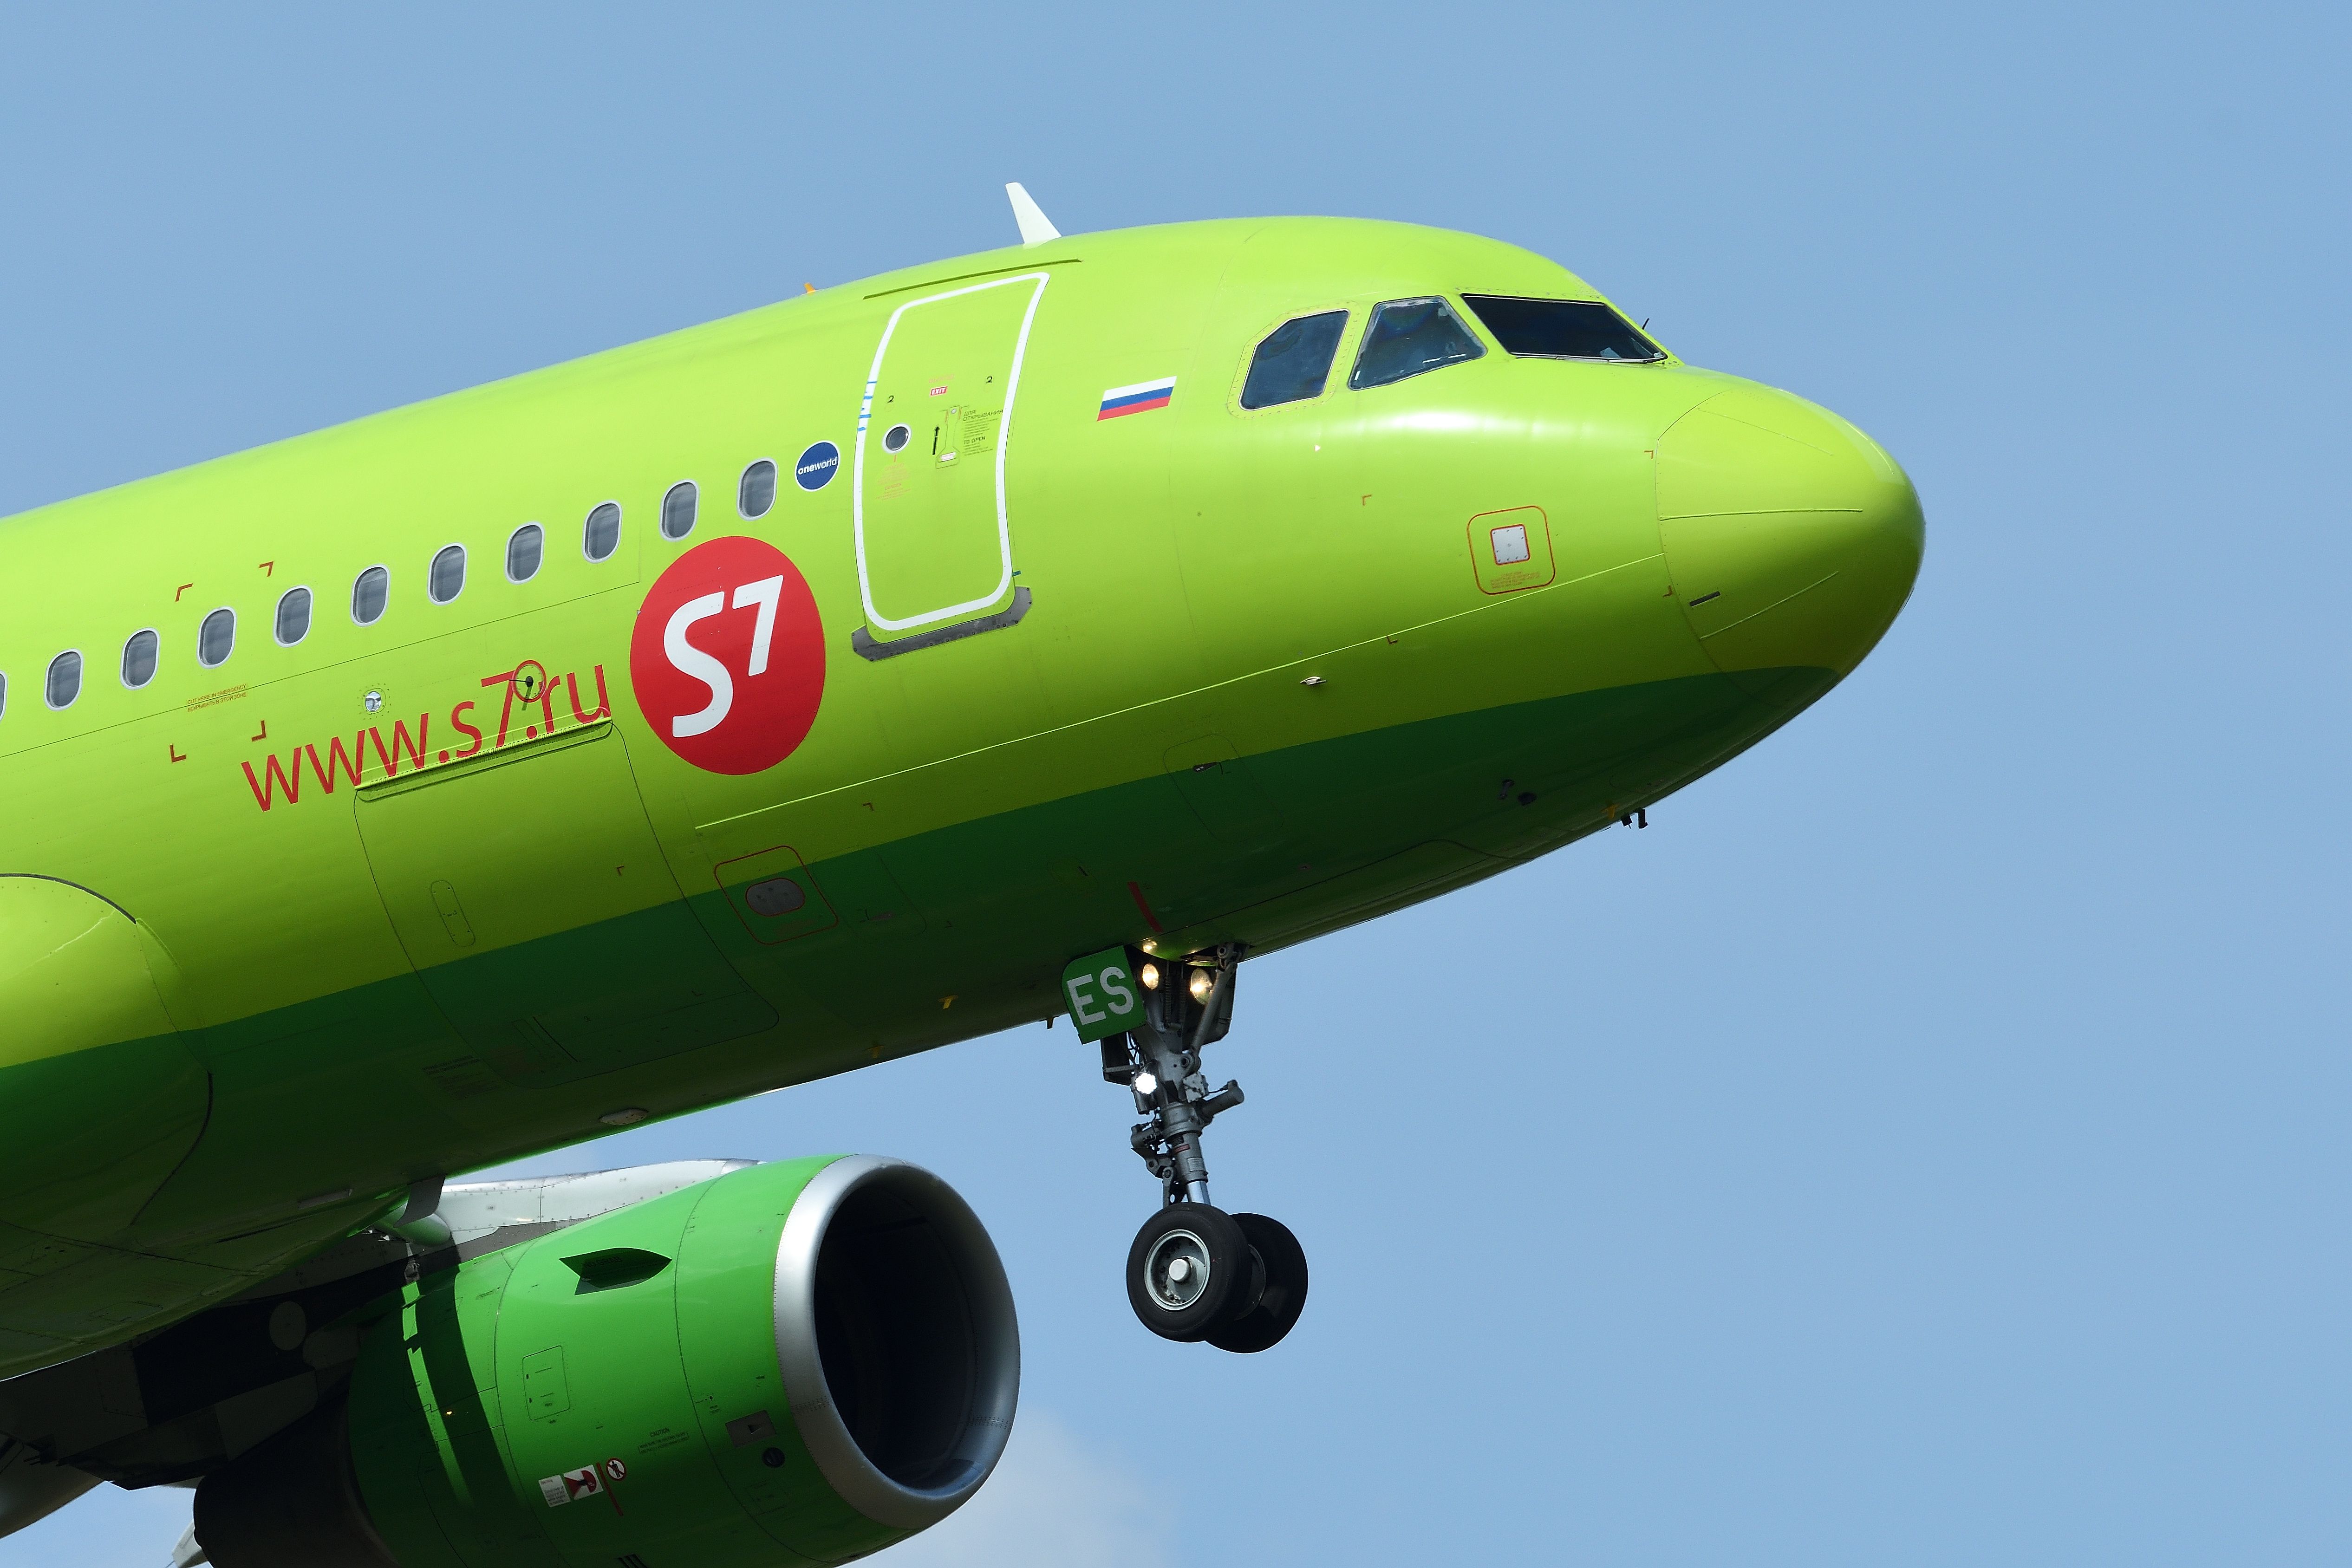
(1792, 537)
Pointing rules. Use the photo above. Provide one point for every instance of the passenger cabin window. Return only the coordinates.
(1407, 337)
(678, 509)
(138, 659)
(525, 546)
(64, 679)
(216, 638)
(4, 696)
(293, 621)
(757, 492)
(447, 578)
(601, 535)
(1561, 329)
(370, 590)
(1294, 361)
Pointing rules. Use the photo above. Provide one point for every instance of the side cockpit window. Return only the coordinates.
(1561, 329)
(1408, 336)
(1294, 361)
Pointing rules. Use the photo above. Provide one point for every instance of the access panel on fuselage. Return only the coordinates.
(534, 902)
(934, 545)
(99, 1099)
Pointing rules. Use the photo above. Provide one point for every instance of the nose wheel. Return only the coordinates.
(1190, 1268)
(1258, 1322)
(1196, 1273)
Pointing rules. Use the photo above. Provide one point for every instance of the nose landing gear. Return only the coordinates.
(1196, 1273)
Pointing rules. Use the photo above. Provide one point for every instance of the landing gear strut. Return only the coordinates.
(1196, 1273)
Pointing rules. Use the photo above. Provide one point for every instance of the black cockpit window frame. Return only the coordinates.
(1504, 333)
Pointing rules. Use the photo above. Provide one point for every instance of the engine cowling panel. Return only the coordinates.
(803, 1360)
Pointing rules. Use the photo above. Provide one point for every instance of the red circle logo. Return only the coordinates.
(728, 658)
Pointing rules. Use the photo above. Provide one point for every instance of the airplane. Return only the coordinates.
(1031, 635)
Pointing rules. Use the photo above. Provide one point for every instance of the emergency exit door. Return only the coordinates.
(934, 543)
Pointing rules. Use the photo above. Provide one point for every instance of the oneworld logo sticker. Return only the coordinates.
(728, 657)
(817, 467)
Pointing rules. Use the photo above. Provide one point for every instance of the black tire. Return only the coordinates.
(1283, 1297)
(1187, 1270)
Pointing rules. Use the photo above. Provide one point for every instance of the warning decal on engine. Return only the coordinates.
(559, 1490)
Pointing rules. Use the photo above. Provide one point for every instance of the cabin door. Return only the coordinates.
(934, 543)
(533, 900)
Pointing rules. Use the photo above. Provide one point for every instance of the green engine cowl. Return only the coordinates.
(799, 1362)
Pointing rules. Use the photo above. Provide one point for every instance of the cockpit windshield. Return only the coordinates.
(1561, 329)
(1407, 337)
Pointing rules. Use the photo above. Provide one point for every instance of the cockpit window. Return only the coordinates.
(1295, 359)
(1561, 329)
(1408, 336)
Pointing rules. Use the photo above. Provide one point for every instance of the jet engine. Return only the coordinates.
(808, 1360)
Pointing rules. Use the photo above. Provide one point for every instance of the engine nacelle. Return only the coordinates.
(801, 1361)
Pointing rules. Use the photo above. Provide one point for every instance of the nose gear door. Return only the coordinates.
(934, 542)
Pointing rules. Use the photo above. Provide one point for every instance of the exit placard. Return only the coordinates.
(1102, 997)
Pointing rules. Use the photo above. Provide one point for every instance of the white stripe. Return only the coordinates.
(1166, 383)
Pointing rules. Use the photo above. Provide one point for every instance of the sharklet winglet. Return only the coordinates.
(1036, 228)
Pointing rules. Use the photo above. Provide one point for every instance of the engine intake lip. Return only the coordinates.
(915, 1278)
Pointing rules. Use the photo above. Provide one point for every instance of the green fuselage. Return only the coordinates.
(284, 933)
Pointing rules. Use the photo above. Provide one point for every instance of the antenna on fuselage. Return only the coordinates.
(1036, 228)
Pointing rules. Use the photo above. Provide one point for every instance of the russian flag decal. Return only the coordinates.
(1140, 398)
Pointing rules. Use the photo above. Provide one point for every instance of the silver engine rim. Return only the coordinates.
(842, 1462)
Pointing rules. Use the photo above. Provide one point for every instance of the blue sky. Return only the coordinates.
(1924, 1143)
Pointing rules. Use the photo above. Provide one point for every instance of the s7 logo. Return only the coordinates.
(689, 660)
(728, 657)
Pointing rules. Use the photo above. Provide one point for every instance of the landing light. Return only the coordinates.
(1145, 1083)
(1150, 976)
(1201, 983)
